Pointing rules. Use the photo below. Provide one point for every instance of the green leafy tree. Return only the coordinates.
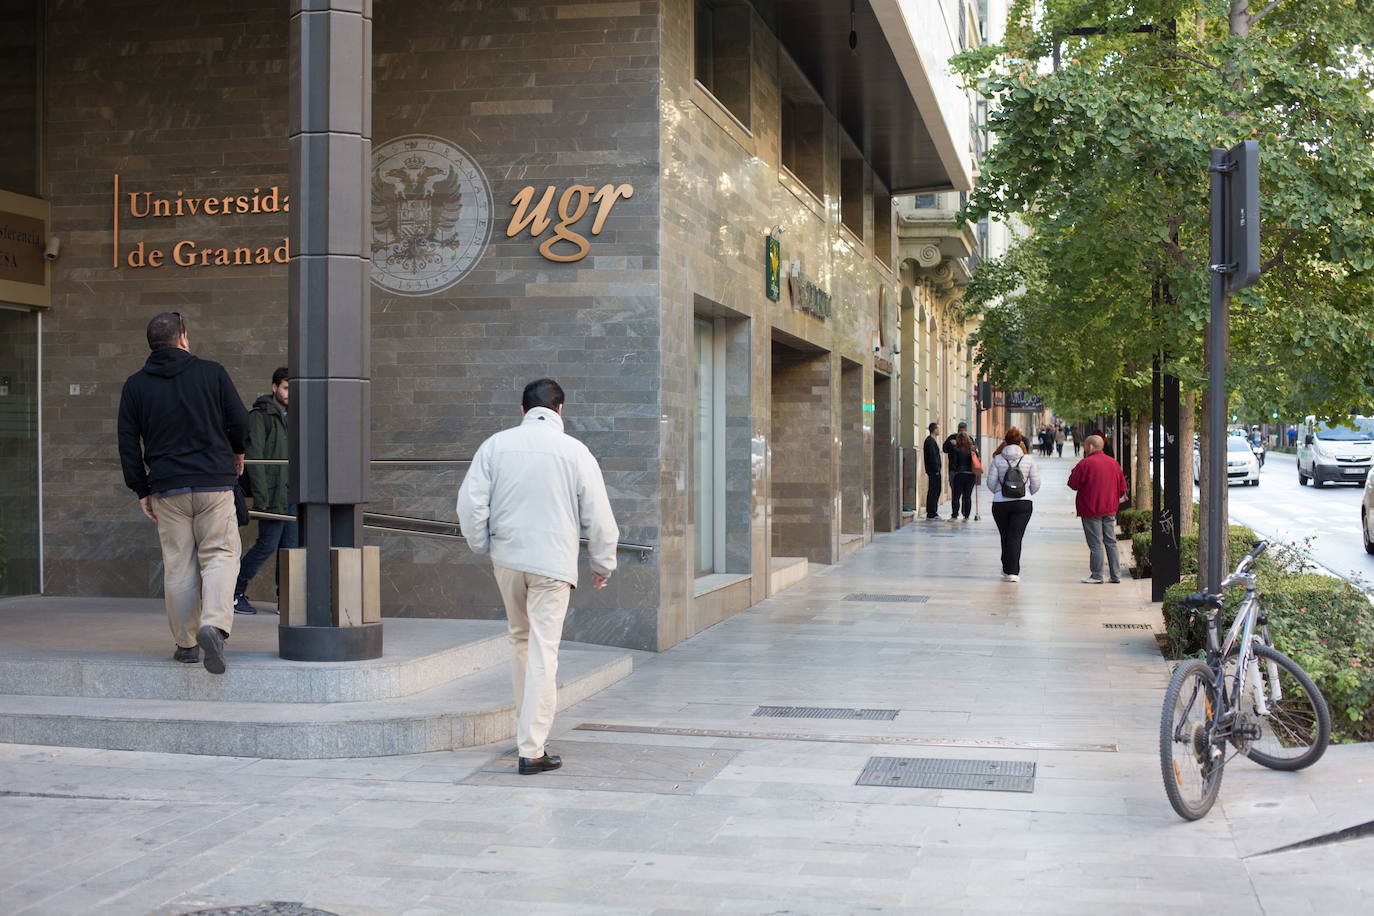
(1105, 161)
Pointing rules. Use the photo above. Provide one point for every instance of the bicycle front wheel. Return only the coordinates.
(1190, 759)
(1295, 732)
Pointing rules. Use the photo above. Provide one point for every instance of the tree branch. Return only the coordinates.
(1264, 12)
(1174, 52)
(1288, 236)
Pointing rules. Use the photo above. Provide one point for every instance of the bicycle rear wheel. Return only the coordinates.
(1189, 758)
(1297, 729)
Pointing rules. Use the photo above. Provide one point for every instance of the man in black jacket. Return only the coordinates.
(181, 439)
(933, 471)
(267, 439)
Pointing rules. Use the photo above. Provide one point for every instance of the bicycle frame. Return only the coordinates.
(1242, 631)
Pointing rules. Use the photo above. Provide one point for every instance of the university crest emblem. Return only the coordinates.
(431, 215)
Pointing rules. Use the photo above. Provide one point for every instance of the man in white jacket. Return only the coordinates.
(529, 495)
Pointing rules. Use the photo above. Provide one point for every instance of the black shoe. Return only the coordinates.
(241, 605)
(187, 656)
(212, 641)
(1116, 581)
(531, 765)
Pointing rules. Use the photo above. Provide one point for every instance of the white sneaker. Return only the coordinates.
(1008, 577)
(1091, 580)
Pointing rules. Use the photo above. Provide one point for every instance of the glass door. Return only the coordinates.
(19, 495)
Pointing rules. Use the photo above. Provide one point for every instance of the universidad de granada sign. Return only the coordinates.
(135, 209)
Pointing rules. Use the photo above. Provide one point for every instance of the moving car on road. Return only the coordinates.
(1340, 452)
(1241, 464)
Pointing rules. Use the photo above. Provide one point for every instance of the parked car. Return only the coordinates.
(1336, 453)
(1241, 464)
(1367, 515)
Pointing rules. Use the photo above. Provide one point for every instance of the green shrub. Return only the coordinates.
(1131, 521)
(1240, 540)
(1324, 624)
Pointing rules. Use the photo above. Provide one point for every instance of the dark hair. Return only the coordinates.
(544, 392)
(931, 427)
(281, 375)
(165, 330)
(1013, 437)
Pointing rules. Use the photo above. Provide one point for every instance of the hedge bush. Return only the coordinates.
(1326, 625)
(1240, 540)
(1132, 520)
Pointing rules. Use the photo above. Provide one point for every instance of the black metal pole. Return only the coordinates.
(1216, 378)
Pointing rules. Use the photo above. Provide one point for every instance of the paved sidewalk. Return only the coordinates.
(765, 822)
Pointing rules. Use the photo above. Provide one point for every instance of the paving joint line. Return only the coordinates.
(989, 744)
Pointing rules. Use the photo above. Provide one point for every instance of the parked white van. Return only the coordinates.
(1341, 452)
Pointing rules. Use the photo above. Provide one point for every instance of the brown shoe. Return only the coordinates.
(187, 656)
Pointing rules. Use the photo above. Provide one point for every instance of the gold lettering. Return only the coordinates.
(561, 233)
(282, 253)
(222, 256)
(155, 258)
(205, 257)
(243, 256)
(607, 197)
(133, 204)
(286, 203)
(257, 200)
(184, 253)
(536, 220)
(226, 202)
(211, 206)
(263, 256)
(241, 205)
(180, 212)
(192, 204)
(270, 203)
(162, 207)
(138, 257)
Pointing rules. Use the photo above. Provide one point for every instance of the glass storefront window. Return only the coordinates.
(19, 562)
(704, 449)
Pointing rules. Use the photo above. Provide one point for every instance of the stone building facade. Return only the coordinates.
(742, 437)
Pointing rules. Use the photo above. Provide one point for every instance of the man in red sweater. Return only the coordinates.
(1100, 485)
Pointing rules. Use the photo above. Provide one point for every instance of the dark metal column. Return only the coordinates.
(330, 329)
(1214, 500)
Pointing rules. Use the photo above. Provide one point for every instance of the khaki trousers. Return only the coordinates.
(535, 608)
(200, 561)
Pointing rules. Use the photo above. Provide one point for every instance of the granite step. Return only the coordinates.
(467, 711)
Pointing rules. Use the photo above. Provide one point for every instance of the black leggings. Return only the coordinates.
(1012, 517)
(961, 489)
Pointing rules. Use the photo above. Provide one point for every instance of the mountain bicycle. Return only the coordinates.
(1245, 694)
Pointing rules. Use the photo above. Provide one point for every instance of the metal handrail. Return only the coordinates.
(404, 524)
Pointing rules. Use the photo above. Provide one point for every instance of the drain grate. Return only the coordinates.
(824, 712)
(937, 773)
(1128, 626)
(868, 596)
(273, 908)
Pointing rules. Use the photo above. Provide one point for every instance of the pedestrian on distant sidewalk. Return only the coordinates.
(1013, 478)
(931, 454)
(1076, 440)
(962, 476)
(267, 439)
(1100, 485)
(181, 441)
(529, 494)
(1059, 441)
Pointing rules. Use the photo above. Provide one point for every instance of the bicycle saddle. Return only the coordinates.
(1201, 600)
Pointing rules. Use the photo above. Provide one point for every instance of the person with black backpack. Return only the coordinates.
(1013, 478)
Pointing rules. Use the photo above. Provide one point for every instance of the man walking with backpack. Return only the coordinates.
(1100, 485)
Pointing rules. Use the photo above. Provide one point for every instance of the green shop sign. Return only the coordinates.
(772, 268)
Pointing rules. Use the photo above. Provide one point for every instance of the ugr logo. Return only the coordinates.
(572, 206)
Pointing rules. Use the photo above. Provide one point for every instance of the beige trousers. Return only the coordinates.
(200, 561)
(535, 608)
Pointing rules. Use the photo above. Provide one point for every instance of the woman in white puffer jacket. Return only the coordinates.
(1012, 511)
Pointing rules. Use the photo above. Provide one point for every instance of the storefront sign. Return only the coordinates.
(1022, 399)
(806, 296)
(772, 268)
(23, 239)
(133, 208)
(431, 215)
(573, 205)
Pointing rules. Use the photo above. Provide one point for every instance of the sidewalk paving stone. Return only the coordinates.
(639, 822)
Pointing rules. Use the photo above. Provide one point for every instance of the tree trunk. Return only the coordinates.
(1187, 424)
(1144, 485)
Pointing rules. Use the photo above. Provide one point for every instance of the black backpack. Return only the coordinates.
(1014, 481)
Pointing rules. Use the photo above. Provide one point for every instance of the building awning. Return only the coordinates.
(892, 93)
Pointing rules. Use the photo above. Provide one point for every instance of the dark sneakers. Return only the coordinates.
(211, 641)
(187, 656)
(242, 605)
(531, 765)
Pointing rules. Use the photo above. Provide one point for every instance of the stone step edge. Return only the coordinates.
(246, 682)
(581, 675)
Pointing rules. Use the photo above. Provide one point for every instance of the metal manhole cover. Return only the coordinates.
(868, 596)
(1128, 626)
(938, 773)
(275, 908)
(824, 712)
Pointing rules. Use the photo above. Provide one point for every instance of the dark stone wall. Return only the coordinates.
(19, 73)
(192, 96)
